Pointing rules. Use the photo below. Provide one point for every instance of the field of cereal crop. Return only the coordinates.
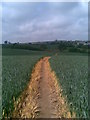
(16, 70)
(70, 69)
(72, 74)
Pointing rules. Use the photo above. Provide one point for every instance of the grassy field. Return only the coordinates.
(72, 73)
(16, 69)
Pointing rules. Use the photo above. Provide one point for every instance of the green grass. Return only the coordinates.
(72, 73)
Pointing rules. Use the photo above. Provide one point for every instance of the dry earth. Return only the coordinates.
(43, 96)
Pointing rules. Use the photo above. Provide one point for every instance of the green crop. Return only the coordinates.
(72, 73)
(16, 72)
(71, 70)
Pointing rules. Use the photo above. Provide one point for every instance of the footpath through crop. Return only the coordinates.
(43, 96)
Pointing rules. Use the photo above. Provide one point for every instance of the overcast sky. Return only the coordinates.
(27, 22)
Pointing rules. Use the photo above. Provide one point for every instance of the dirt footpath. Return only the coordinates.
(43, 96)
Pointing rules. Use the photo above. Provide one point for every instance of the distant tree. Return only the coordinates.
(29, 43)
(5, 42)
(9, 42)
(62, 46)
(56, 40)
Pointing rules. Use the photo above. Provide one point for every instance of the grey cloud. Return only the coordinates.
(26, 22)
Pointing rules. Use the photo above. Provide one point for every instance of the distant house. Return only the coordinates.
(83, 43)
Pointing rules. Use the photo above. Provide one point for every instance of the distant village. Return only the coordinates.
(76, 42)
(63, 41)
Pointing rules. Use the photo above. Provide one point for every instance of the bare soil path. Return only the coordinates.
(44, 101)
(43, 96)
